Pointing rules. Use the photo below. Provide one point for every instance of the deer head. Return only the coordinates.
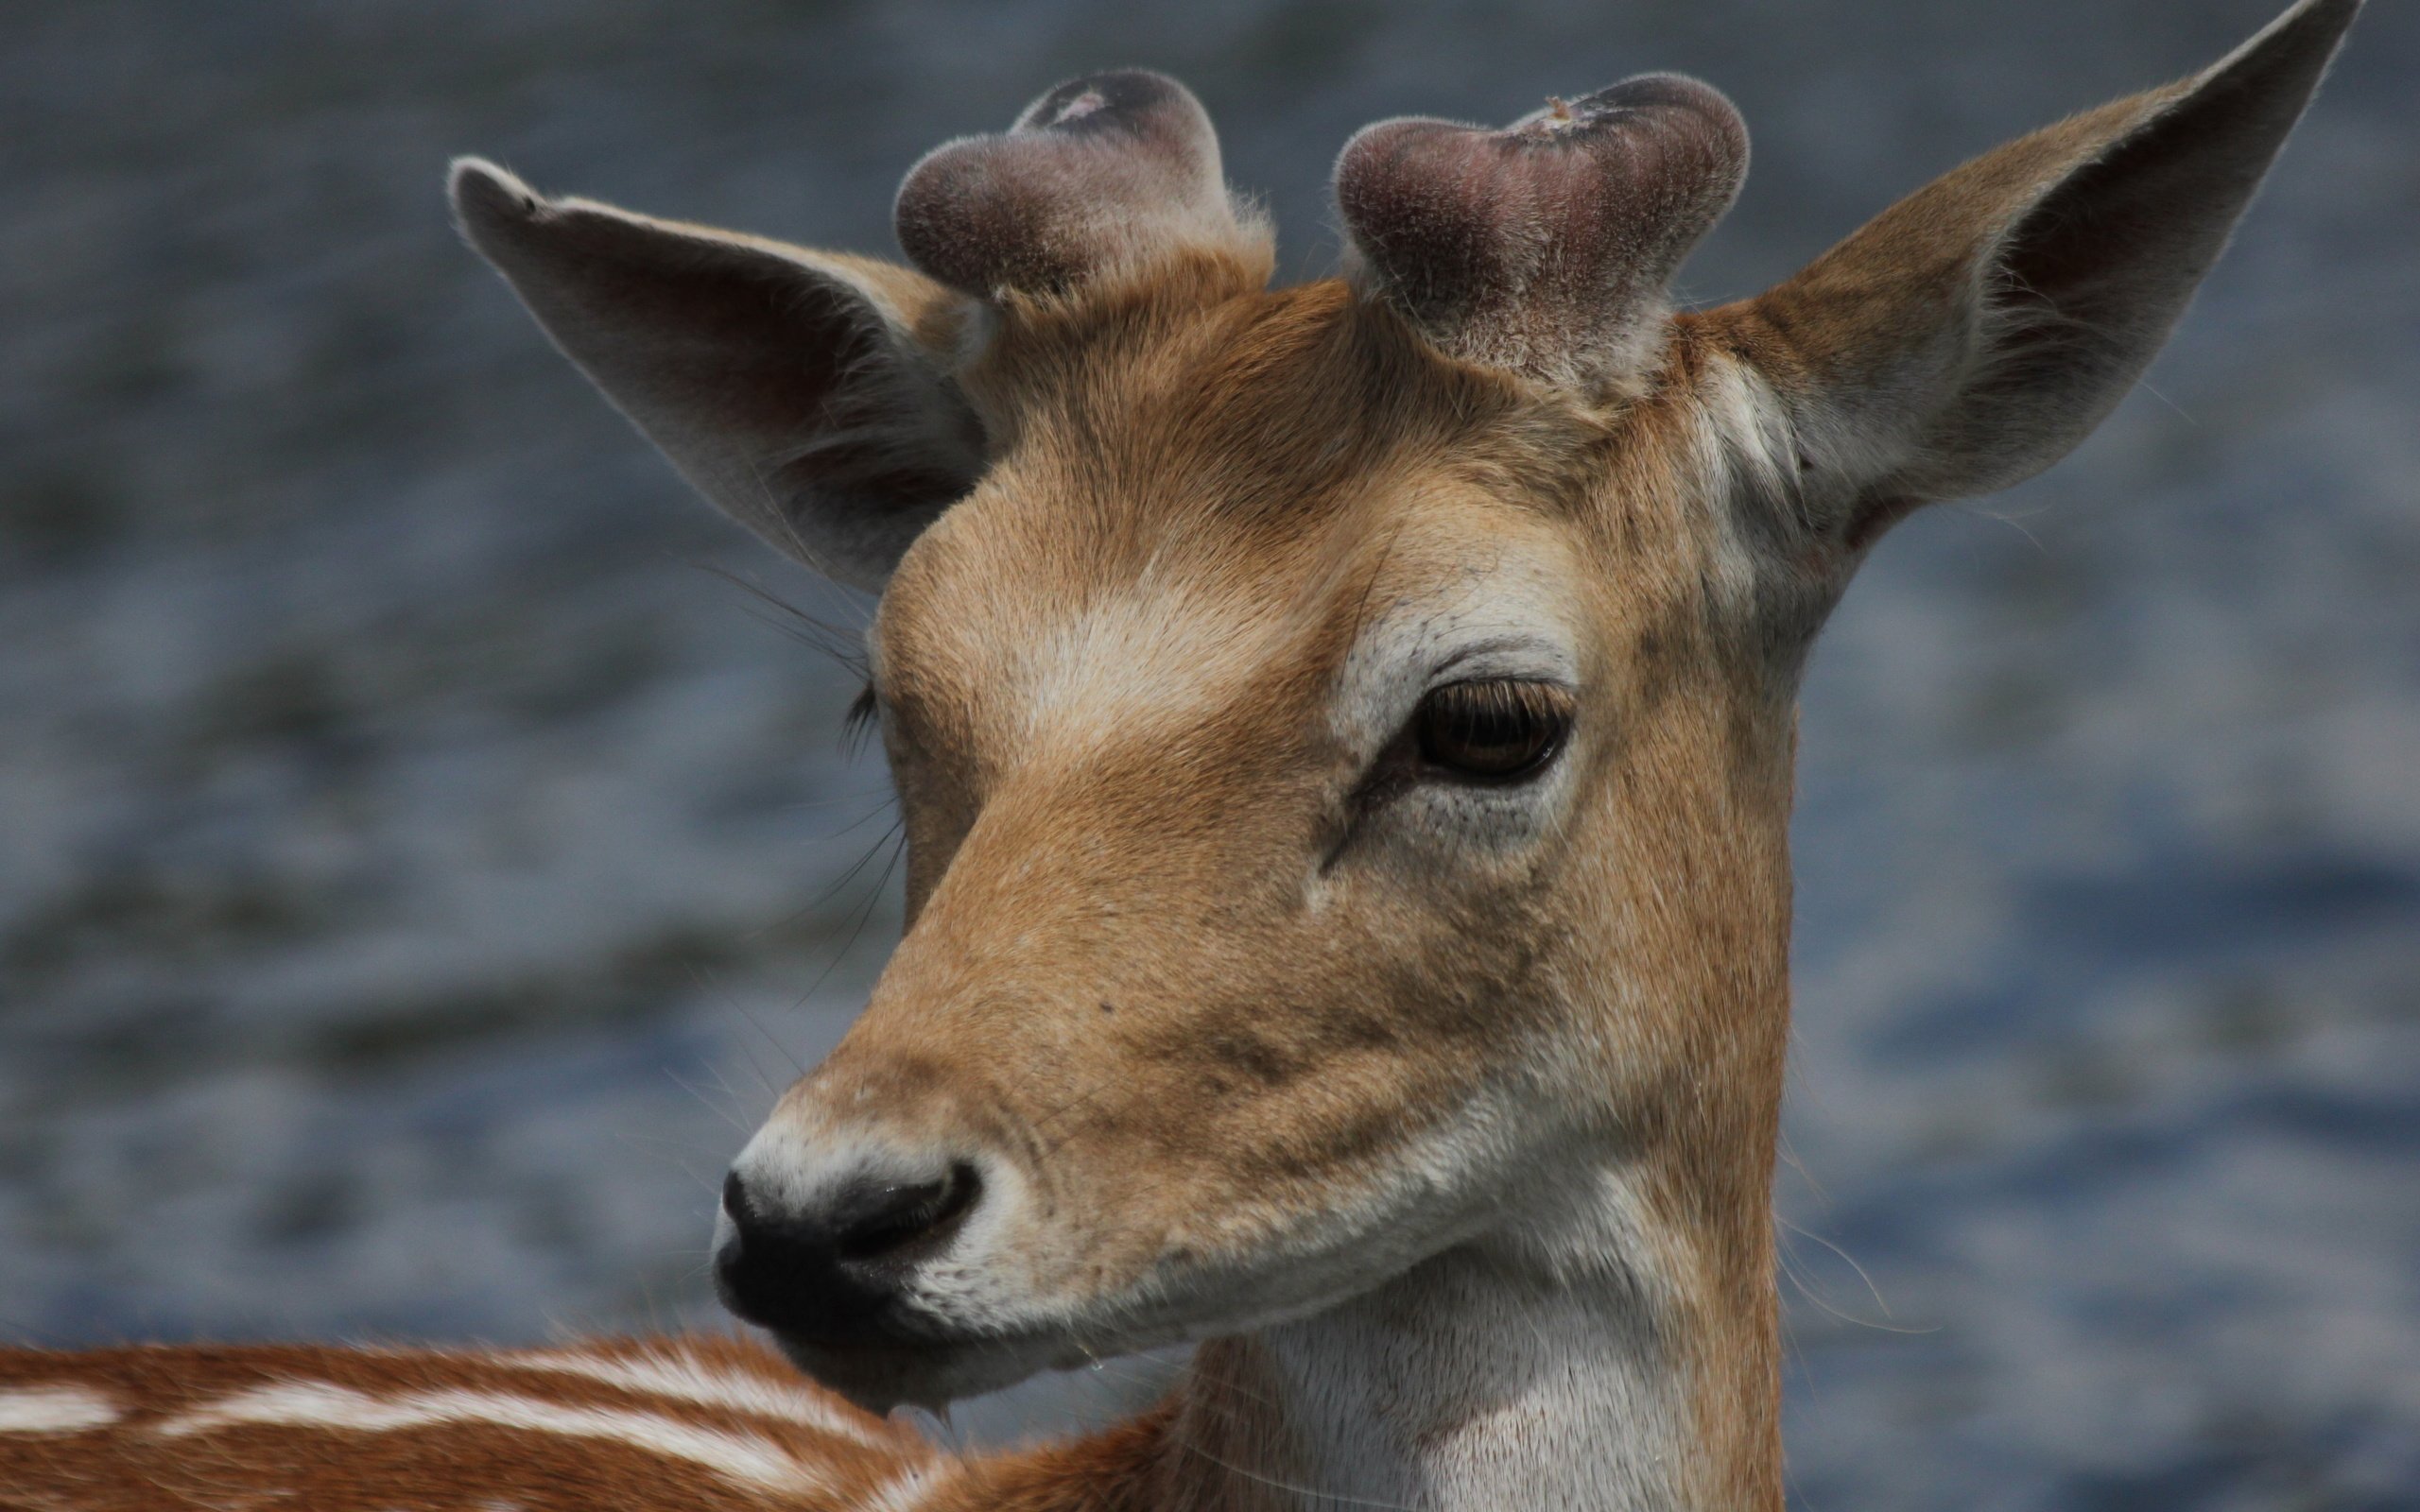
(1345, 731)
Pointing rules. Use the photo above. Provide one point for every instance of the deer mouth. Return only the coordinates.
(930, 1371)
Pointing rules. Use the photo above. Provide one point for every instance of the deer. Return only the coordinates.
(1344, 733)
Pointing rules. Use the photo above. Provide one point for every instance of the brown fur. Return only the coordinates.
(132, 1465)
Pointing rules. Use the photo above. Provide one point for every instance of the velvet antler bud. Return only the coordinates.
(1104, 171)
(1544, 247)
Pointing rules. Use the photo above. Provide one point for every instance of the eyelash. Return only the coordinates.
(1491, 731)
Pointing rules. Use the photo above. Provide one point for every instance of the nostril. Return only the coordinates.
(876, 1221)
(834, 1270)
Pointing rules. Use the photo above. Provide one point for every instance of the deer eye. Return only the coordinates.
(1493, 730)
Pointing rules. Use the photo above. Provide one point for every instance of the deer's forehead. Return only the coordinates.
(1255, 501)
(1010, 637)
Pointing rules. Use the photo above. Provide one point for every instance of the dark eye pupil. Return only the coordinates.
(1496, 728)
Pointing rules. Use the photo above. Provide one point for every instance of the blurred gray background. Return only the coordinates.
(418, 867)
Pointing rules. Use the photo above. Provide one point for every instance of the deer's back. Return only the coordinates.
(704, 1424)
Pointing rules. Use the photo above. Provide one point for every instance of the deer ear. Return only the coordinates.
(806, 394)
(1976, 332)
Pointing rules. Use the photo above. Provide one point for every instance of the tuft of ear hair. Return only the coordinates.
(1104, 172)
(1545, 248)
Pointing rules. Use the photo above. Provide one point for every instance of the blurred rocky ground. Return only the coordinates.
(419, 862)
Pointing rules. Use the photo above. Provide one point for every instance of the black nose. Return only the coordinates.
(833, 1274)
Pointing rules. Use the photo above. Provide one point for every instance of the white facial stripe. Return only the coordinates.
(55, 1410)
(1143, 656)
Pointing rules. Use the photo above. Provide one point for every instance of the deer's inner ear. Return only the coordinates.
(1977, 331)
(800, 393)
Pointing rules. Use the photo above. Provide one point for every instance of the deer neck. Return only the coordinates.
(1601, 1367)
